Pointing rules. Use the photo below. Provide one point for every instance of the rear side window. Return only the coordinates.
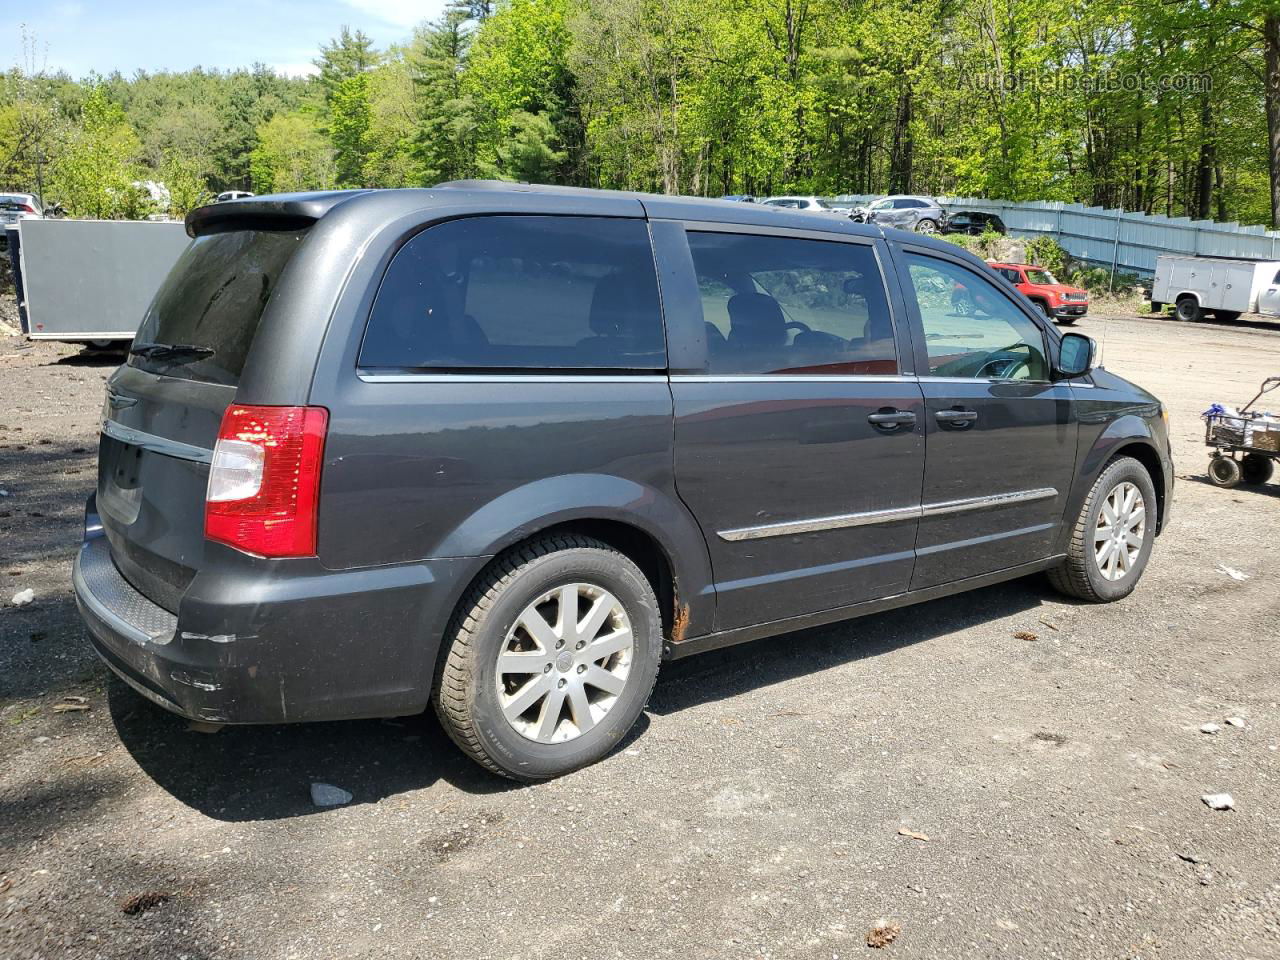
(213, 299)
(520, 293)
(789, 306)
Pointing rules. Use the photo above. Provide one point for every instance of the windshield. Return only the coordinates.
(211, 302)
(1040, 276)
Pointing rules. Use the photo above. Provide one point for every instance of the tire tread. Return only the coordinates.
(1072, 576)
(454, 676)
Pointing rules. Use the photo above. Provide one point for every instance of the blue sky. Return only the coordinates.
(80, 36)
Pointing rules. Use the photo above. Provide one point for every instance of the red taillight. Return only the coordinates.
(264, 482)
(29, 208)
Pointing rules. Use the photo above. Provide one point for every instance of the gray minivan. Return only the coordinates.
(503, 449)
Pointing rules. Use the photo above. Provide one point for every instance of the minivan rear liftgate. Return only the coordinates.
(198, 578)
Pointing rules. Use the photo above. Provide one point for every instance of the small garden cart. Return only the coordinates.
(1245, 445)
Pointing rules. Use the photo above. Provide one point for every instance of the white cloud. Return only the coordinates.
(401, 13)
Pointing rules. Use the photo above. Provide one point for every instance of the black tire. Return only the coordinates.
(927, 225)
(1065, 321)
(1224, 472)
(1079, 575)
(1255, 469)
(466, 694)
(1043, 307)
(1227, 315)
(1188, 309)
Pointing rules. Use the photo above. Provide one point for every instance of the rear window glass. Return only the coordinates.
(785, 305)
(510, 292)
(214, 298)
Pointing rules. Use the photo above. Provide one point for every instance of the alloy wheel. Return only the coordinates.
(565, 662)
(1120, 532)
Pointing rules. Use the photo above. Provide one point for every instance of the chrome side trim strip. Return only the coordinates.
(893, 515)
(817, 524)
(162, 445)
(987, 503)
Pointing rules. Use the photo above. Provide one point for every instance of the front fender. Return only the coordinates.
(1106, 428)
(524, 511)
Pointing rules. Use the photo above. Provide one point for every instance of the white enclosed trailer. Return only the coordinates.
(92, 280)
(1218, 285)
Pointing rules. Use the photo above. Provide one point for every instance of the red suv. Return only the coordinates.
(1056, 300)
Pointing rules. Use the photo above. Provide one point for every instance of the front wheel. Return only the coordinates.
(1112, 537)
(1224, 472)
(550, 659)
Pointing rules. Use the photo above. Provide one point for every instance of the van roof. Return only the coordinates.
(300, 209)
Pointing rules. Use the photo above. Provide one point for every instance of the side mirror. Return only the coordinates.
(1076, 355)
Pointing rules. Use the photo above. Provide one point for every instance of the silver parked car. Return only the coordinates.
(19, 206)
(922, 214)
(815, 204)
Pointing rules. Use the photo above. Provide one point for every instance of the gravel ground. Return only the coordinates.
(756, 812)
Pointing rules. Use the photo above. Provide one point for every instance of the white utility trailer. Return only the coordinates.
(1218, 285)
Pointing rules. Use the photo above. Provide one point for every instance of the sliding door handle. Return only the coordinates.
(956, 419)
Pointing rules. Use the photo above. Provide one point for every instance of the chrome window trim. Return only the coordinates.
(870, 517)
(508, 378)
(161, 445)
(932, 379)
(790, 378)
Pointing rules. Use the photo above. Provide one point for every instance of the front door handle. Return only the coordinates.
(887, 419)
(956, 419)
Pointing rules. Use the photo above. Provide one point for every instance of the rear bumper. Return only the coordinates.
(257, 642)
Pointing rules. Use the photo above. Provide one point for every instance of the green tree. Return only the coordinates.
(93, 176)
(346, 56)
(185, 181)
(445, 144)
(292, 154)
(526, 153)
(350, 115)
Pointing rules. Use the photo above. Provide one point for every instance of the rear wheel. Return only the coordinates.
(1224, 472)
(927, 226)
(1112, 538)
(1188, 309)
(1255, 468)
(550, 659)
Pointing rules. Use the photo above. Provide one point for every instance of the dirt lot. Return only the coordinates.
(757, 811)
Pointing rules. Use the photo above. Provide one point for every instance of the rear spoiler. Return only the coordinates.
(281, 211)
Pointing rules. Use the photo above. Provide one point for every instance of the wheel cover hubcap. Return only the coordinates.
(1120, 531)
(564, 663)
